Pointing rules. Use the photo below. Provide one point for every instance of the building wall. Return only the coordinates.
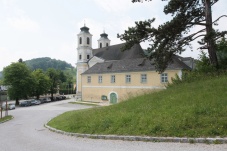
(94, 90)
(81, 67)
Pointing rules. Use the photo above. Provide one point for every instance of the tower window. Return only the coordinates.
(88, 40)
(100, 45)
(80, 40)
(88, 56)
(80, 57)
(107, 44)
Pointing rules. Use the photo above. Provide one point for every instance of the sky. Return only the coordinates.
(48, 28)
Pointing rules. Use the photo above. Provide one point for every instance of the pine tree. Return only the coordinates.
(171, 37)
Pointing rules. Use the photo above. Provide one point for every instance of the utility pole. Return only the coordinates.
(1, 101)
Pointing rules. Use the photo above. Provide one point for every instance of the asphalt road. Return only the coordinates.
(26, 132)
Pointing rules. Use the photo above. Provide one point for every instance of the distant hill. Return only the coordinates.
(46, 62)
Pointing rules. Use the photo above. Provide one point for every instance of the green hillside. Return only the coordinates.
(46, 62)
(195, 109)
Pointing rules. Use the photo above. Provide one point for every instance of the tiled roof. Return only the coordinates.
(114, 52)
(132, 65)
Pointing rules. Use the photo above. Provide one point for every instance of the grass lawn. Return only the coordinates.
(6, 118)
(197, 109)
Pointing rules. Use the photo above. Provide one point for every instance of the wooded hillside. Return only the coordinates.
(46, 62)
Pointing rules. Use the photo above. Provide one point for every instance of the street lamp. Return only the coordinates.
(6, 111)
(1, 100)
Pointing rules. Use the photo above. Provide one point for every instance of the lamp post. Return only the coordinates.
(1, 100)
(6, 112)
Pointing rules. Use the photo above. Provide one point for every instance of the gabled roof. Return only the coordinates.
(132, 65)
(114, 52)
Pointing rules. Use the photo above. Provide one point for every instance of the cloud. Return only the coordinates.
(114, 5)
(23, 23)
(7, 58)
(16, 17)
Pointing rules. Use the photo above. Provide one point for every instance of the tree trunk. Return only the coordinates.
(210, 34)
(17, 101)
(37, 97)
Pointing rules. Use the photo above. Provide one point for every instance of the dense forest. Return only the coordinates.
(46, 62)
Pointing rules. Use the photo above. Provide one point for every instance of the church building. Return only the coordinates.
(107, 74)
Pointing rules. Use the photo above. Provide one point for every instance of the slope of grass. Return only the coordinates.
(196, 109)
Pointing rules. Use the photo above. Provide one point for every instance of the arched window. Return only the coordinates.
(88, 40)
(80, 40)
(100, 45)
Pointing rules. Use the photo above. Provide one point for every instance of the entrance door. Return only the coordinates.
(113, 98)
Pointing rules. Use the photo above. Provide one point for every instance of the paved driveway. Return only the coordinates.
(27, 133)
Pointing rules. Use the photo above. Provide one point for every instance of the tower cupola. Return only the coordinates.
(103, 40)
(84, 29)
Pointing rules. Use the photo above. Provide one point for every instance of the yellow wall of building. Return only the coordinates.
(81, 67)
(94, 90)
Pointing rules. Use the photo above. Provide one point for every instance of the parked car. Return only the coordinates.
(60, 97)
(35, 102)
(10, 106)
(25, 103)
(45, 100)
(63, 97)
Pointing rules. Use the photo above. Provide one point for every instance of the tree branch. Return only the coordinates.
(202, 24)
(219, 18)
(197, 37)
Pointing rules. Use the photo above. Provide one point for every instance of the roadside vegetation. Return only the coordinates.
(9, 117)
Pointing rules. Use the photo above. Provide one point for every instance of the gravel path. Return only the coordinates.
(26, 132)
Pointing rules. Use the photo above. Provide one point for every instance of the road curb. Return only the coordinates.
(217, 140)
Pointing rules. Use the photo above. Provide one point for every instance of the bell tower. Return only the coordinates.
(84, 53)
(103, 40)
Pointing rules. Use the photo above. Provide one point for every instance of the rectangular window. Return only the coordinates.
(100, 79)
(143, 78)
(128, 78)
(164, 77)
(88, 79)
(80, 57)
(112, 78)
(88, 56)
